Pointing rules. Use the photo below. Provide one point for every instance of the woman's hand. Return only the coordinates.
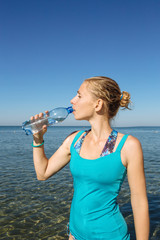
(38, 137)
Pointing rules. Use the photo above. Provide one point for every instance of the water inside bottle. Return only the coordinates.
(38, 125)
(55, 120)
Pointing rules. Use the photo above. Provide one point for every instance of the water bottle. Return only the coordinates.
(54, 116)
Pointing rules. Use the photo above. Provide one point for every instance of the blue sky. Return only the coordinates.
(48, 47)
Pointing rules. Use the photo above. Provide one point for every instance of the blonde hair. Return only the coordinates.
(107, 89)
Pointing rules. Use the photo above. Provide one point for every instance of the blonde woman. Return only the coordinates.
(99, 161)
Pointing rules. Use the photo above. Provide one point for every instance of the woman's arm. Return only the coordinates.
(136, 179)
(44, 167)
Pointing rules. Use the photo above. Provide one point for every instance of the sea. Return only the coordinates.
(34, 210)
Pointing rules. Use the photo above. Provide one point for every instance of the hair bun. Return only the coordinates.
(125, 100)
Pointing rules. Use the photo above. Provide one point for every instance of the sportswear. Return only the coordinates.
(94, 213)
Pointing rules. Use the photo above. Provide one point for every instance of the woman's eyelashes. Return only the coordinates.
(78, 95)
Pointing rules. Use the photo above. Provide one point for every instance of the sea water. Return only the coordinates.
(32, 209)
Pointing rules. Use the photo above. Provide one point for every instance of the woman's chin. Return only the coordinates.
(76, 117)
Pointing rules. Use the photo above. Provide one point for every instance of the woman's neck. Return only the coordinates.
(100, 128)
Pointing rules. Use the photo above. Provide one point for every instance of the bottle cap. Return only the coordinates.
(70, 109)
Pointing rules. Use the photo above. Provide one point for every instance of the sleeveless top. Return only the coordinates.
(94, 213)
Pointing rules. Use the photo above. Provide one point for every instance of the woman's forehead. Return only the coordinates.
(85, 90)
(82, 88)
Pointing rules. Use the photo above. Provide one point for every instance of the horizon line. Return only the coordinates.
(85, 126)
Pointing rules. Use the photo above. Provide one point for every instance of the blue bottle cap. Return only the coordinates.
(70, 109)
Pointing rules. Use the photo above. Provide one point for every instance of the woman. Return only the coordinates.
(99, 160)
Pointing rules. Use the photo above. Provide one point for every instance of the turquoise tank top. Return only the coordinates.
(94, 213)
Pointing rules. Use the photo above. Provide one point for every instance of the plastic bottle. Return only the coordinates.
(54, 116)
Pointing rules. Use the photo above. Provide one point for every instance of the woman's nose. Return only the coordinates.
(72, 100)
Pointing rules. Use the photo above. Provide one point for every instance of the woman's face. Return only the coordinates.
(83, 103)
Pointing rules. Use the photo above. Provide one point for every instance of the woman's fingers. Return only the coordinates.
(47, 113)
(40, 115)
(36, 116)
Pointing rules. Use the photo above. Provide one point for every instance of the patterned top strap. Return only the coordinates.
(108, 148)
(77, 137)
(79, 143)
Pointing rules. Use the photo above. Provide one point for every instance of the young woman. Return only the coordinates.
(99, 160)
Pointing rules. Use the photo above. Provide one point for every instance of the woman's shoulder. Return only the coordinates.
(131, 145)
(132, 149)
(131, 141)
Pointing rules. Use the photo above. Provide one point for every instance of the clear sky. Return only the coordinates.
(48, 47)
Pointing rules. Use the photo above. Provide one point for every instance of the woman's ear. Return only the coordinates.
(99, 105)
